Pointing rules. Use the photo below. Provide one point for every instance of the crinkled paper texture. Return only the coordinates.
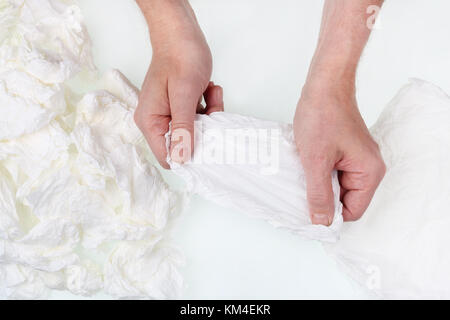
(81, 209)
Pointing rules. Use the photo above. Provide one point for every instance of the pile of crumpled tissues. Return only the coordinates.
(81, 208)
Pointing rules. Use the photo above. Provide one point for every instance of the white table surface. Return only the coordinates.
(261, 51)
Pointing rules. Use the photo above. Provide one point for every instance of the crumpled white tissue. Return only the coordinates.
(400, 247)
(252, 165)
(81, 208)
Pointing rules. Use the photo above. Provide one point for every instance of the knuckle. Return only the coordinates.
(356, 217)
(382, 168)
(376, 146)
(180, 124)
(375, 169)
(138, 118)
(379, 165)
(378, 170)
(317, 199)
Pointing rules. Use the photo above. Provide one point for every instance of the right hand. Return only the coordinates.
(178, 76)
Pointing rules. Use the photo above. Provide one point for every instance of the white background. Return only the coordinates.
(261, 51)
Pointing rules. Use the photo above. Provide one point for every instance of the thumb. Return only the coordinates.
(183, 104)
(320, 193)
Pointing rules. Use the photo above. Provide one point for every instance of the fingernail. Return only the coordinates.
(322, 219)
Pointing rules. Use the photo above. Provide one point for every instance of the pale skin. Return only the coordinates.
(329, 130)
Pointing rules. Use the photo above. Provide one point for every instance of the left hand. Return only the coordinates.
(331, 135)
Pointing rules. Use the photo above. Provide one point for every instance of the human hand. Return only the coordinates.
(331, 135)
(178, 76)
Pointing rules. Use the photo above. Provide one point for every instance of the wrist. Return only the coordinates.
(333, 68)
(330, 79)
(158, 10)
(170, 22)
(320, 89)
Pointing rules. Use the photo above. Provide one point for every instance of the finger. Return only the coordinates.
(184, 97)
(342, 190)
(200, 109)
(154, 134)
(152, 119)
(154, 127)
(355, 203)
(214, 99)
(320, 192)
(360, 188)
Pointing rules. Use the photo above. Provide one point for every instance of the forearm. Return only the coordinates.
(343, 36)
(168, 21)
